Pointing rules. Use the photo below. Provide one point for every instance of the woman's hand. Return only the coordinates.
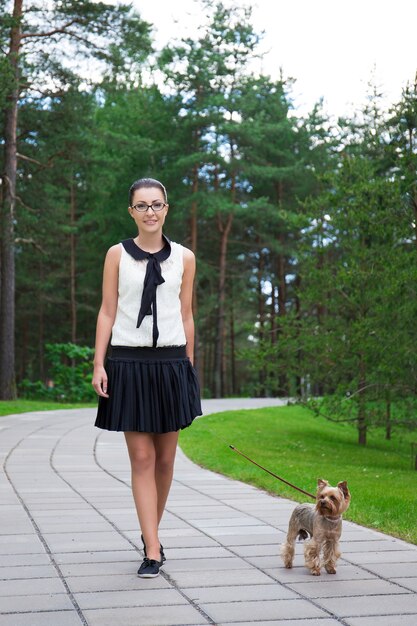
(99, 381)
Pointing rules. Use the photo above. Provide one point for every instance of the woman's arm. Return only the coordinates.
(186, 297)
(106, 317)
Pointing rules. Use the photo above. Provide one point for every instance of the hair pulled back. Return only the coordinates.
(146, 183)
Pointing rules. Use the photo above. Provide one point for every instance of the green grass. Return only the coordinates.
(10, 407)
(293, 443)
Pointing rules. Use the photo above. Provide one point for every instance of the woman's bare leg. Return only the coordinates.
(141, 448)
(165, 449)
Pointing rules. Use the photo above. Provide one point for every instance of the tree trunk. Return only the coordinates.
(412, 173)
(7, 298)
(41, 323)
(218, 373)
(225, 386)
(282, 285)
(73, 243)
(232, 350)
(261, 321)
(198, 361)
(282, 309)
(273, 315)
(193, 217)
(24, 352)
(298, 382)
(209, 366)
(319, 387)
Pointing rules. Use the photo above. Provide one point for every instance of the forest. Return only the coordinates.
(304, 227)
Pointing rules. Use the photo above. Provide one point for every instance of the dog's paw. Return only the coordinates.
(315, 572)
(330, 570)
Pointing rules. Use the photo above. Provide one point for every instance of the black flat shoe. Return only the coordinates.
(163, 557)
(149, 568)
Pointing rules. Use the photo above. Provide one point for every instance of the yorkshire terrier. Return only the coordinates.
(323, 524)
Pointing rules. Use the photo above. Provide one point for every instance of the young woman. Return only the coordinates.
(148, 388)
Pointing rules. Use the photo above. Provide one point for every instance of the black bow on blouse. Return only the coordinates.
(153, 278)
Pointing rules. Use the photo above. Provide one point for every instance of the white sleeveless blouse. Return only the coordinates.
(168, 304)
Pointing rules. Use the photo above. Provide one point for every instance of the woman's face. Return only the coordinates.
(149, 220)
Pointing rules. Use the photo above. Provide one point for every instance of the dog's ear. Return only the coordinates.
(321, 483)
(344, 489)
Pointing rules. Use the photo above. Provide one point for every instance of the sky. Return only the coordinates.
(333, 48)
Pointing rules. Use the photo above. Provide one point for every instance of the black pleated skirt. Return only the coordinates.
(151, 390)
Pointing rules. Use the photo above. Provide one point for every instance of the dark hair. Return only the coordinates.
(146, 183)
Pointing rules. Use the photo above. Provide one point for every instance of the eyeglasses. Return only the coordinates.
(142, 207)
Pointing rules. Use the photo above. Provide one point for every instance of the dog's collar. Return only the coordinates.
(333, 519)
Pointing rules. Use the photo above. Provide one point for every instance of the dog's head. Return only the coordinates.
(332, 501)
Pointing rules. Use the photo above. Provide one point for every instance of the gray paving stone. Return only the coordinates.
(301, 574)
(24, 559)
(196, 541)
(15, 526)
(265, 562)
(227, 564)
(219, 578)
(102, 556)
(325, 621)
(173, 525)
(11, 509)
(97, 569)
(182, 615)
(68, 542)
(263, 610)
(184, 496)
(409, 583)
(371, 605)
(15, 547)
(73, 514)
(115, 582)
(215, 516)
(342, 588)
(348, 547)
(130, 598)
(359, 533)
(392, 570)
(384, 620)
(31, 586)
(249, 531)
(195, 553)
(224, 523)
(66, 526)
(233, 593)
(265, 549)
(34, 603)
(204, 509)
(183, 532)
(255, 498)
(391, 556)
(37, 498)
(42, 508)
(47, 618)
(259, 538)
(27, 571)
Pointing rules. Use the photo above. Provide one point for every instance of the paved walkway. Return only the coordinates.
(70, 548)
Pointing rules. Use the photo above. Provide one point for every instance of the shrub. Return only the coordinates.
(69, 375)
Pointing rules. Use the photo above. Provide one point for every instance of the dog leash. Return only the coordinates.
(310, 495)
